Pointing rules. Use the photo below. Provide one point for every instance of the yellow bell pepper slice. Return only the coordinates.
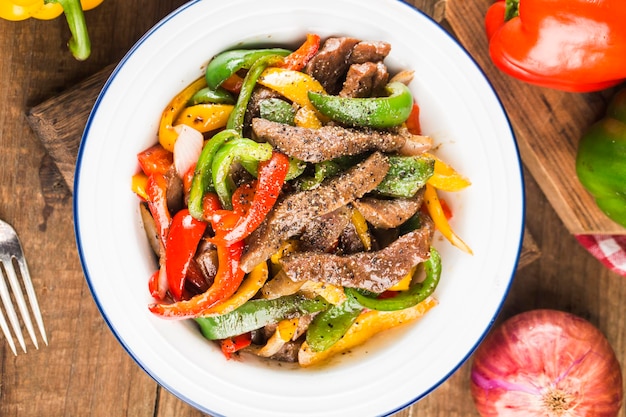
(360, 225)
(139, 183)
(295, 86)
(283, 334)
(439, 218)
(446, 178)
(248, 288)
(167, 134)
(306, 117)
(205, 117)
(331, 293)
(366, 325)
(404, 283)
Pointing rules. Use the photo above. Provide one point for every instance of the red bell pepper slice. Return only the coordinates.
(271, 177)
(413, 122)
(228, 278)
(156, 189)
(182, 241)
(155, 160)
(234, 344)
(298, 59)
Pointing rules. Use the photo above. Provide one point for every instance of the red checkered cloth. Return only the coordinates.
(610, 250)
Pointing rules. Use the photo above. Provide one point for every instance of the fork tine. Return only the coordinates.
(7, 333)
(8, 306)
(32, 298)
(21, 303)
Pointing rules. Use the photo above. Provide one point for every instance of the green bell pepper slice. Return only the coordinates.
(330, 325)
(208, 95)
(277, 110)
(406, 175)
(237, 116)
(227, 63)
(202, 181)
(375, 112)
(405, 299)
(258, 313)
(237, 149)
(601, 160)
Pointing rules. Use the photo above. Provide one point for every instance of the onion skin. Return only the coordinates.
(546, 363)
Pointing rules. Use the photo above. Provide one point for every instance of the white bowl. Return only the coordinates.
(459, 109)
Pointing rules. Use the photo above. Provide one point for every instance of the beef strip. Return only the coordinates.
(373, 271)
(369, 51)
(331, 63)
(322, 234)
(387, 214)
(365, 80)
(291, 215)
(327, 142)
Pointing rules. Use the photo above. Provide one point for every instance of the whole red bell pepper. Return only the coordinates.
(569, 45)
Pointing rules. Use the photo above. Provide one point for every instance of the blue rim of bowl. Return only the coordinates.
(85, 268)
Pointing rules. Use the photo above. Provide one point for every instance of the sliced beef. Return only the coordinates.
(365, 80)
(327, 142)
(322, 234)
(331, 63)
(387, 214)
(292, 214)
(369, 51)
(372, 271)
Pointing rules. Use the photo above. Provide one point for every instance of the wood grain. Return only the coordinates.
(85, 371)
(547, 124)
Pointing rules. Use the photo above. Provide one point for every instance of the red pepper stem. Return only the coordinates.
(511, 10)
(79, 44)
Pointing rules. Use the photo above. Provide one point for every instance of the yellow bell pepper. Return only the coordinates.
(439, 218)
(446, 178)
(167, 134)
(366, 325)
(79, 44)
(205, 117)
(248, 288)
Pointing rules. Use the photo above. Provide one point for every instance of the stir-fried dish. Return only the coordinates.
(291, 201)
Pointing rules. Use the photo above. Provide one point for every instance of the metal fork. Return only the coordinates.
(12, 263)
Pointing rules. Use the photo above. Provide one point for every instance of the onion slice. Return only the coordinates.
(546, 363)
(187, 148)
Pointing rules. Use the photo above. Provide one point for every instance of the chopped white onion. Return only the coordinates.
(187, 148)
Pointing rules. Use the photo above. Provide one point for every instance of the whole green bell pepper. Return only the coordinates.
(601, 160)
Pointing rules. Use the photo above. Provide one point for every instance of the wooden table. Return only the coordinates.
(84, 371)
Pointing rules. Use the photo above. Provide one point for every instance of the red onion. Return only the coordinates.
(546, 363)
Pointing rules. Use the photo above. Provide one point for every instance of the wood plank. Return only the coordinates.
(547, 124)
